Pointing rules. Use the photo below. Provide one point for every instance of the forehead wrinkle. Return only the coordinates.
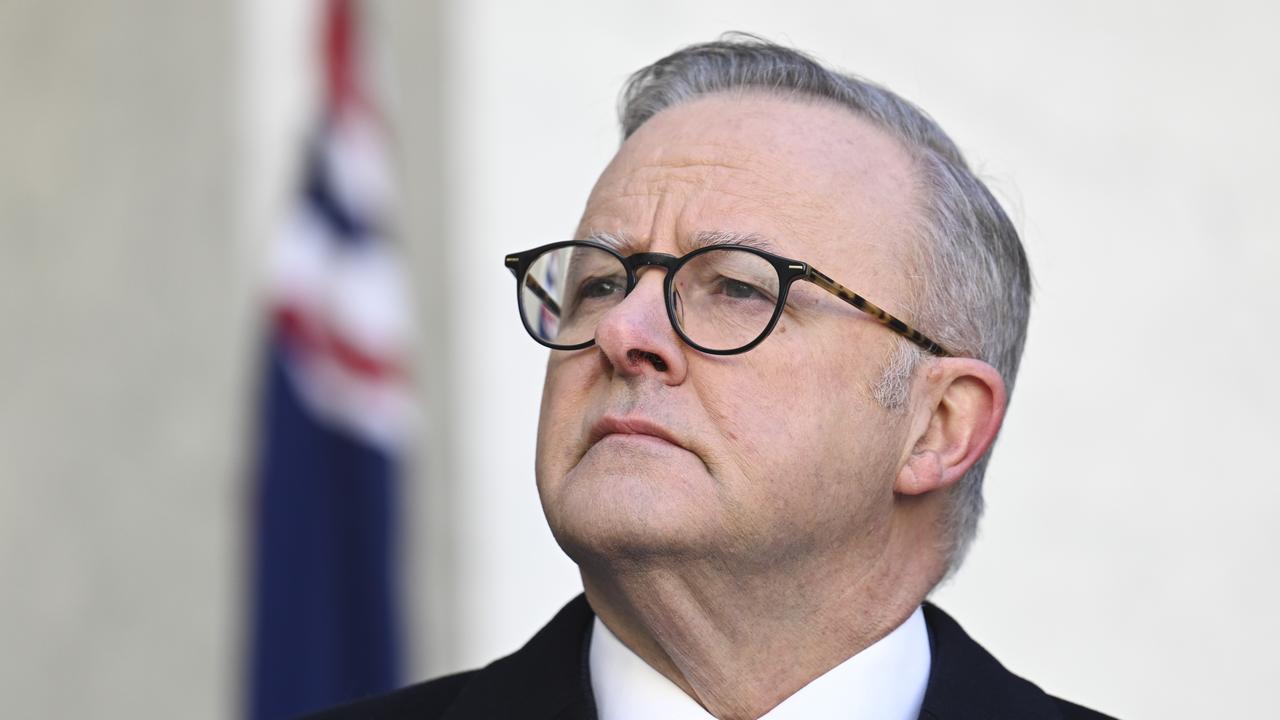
(695, 164)
(699, 166)
(741, 174)
(788, 208)
(800, 199)
(706, 153)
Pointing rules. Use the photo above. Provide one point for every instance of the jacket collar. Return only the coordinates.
(548, 678)
(966, 682)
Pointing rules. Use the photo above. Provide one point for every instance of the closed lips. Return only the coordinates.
(630, 426)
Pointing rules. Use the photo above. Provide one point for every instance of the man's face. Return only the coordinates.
(650, 449)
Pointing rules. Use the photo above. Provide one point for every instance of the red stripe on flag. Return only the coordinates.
(340, 55)
(302, 331)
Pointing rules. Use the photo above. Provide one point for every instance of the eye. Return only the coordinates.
(599, 287)
(739, 290)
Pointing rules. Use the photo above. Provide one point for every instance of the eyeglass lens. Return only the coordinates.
(723, 298)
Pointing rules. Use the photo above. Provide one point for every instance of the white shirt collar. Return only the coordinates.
(886, 681)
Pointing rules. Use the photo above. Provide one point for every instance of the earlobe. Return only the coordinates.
(965, 402)
(921, 474)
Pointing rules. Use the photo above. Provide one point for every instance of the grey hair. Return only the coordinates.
(973, 294)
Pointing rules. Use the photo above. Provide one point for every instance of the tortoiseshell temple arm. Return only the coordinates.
(542, 294)
(871, 309)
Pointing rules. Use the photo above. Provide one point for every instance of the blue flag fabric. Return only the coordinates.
(325, 627)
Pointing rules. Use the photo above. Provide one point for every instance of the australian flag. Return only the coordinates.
(335, 412)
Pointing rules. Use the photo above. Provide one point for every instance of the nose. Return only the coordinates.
(637, 338)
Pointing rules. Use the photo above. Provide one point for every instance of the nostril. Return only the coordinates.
(639, 356)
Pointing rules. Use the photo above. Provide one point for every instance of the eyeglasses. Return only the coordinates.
(721, 299)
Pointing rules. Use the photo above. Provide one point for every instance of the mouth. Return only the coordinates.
(637, 428)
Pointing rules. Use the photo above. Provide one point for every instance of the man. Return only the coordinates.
(783, 345)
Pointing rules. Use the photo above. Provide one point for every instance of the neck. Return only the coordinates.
(740, 642)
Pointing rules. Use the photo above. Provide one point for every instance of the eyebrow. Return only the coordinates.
(627, 245)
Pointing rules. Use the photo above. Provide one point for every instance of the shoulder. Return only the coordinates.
(428, 699)
(1072, 711)
(966, 681)
(544, 679)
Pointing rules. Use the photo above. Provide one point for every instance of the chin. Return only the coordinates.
(633, 511)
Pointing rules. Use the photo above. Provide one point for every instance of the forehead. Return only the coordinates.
(814, 179)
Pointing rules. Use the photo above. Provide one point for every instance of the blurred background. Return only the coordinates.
(152, 155)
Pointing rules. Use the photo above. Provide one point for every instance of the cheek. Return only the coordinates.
(767, 410)
(798, 426)
(575, 388)
(560, 419)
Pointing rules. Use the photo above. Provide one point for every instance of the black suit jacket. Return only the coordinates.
(547, 679)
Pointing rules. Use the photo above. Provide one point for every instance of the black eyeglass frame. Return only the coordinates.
(788, 271)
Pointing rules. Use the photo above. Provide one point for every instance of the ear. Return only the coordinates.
(956, 415)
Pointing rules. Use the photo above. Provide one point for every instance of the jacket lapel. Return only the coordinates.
(545, 680)
(548, 678)
(967, 683)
